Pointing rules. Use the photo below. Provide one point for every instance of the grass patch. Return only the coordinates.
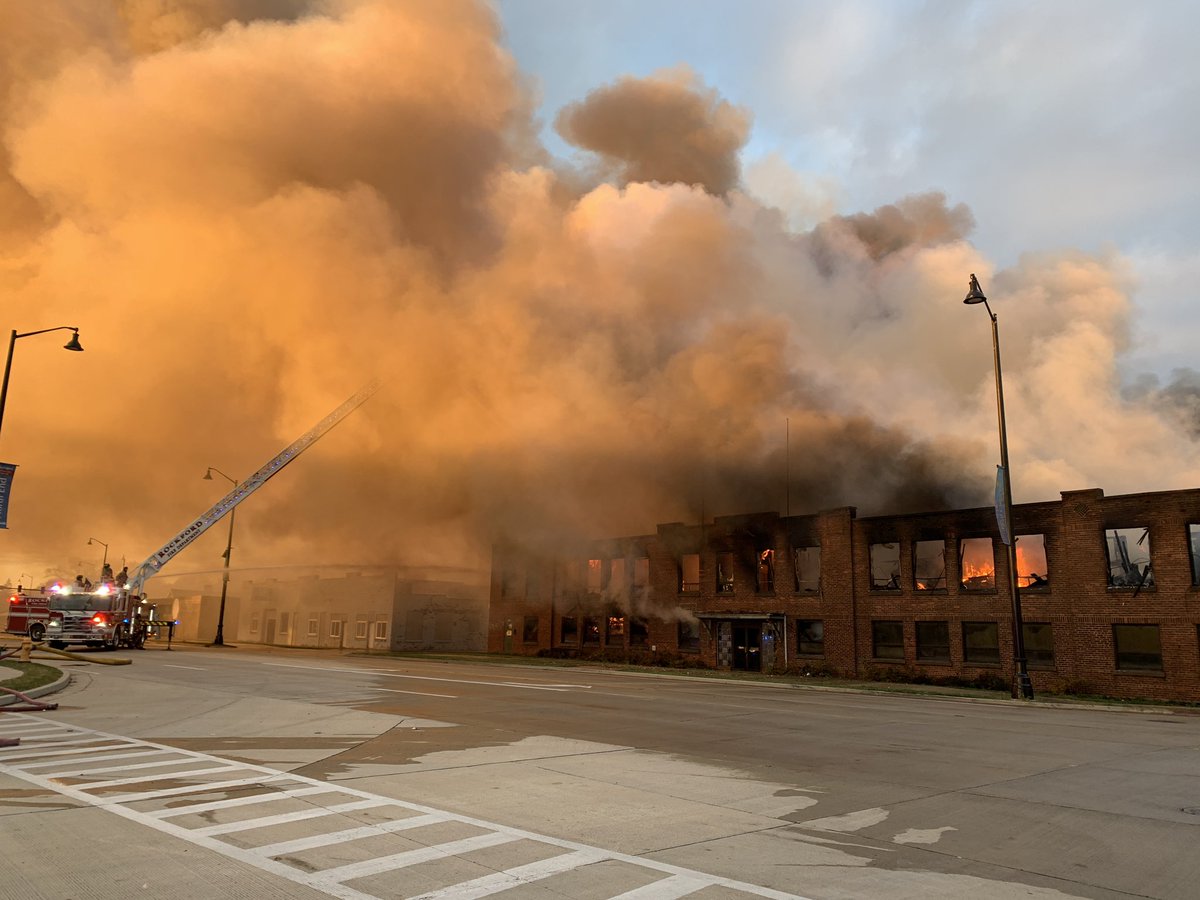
(33, 675)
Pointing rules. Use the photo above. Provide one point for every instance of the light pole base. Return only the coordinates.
(1023, 688)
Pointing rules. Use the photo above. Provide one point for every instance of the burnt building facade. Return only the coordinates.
(1109, 587)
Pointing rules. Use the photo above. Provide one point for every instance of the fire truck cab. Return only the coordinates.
(108, 617)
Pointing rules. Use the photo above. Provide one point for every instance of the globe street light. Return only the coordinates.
(219, 640)
(72, 344)
(1022, 686)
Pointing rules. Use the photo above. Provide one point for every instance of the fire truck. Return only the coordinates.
(107, 617)
(28, 613)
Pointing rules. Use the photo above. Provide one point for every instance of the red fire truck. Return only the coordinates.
(28, 613)
(107, 617)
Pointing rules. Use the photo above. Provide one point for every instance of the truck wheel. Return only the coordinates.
(118, 636)
(37, 632)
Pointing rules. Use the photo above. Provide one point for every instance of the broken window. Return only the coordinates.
(1137, 648)
(1032, 568)
(569, 630)
(615, 631)
(725, 573)
(887, 640)
(1194, 544)
(689, 572)
(689, 635)
(616, 578)
(591, 631)
(810, 637)
(595, 576)
(929, 565)
(885, 567)
(1128, 557)
(1039, 644)
(639, 632)
(933, 641)
(766, 571)
(981, 643)
(808, 568)
(977, 564)
(529, 630)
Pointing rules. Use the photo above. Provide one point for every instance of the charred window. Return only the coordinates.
(615, 631)
(981, 643)
(529, 630)
(591, 631)
(810, 637)
(977, 564)
(1137, 648)
(641, 573)
(595, 576)
(1039, 644)
(689, 572)
(1128, 557)
(1032, 569)
(725, 573)
(766, 571)
(1194, 545)
(617, 584)
(929, 565)
(887, 640)
(808, 568)
(885, 567)
(689, 635)
(639, 632)
(568, 630)
(933, 642)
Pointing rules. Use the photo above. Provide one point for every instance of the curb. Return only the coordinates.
(52, 688)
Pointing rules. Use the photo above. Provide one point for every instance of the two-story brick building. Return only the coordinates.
(1109, 588)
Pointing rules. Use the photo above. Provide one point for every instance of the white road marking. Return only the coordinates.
(417, 693)
(193, 668)
(381, 673)
(273, 786)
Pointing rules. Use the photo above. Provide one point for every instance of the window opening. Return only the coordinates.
(981, 643)
(591, 631)
(885, 567)
(381, 631)
(639, 632)
(360, 629)
(808, 568)
(1032, 569)
(1129, 558)
(313, 625)
(688, 635)
(887, 640)
(616, 631)
(595, 576)
(929, 565)
(810, 637)
(766, 571)
(1194, 545)
(977, 564)
(1137, 648)
(568, 630)
(725, 573)
(335, 628)
(1039, 644)
(933, 641)
(616, 578)
(689, 573)
(529, 629)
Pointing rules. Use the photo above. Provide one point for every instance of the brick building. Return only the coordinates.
(1110, 595)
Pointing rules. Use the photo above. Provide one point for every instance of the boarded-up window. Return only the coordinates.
(1128, 557)
(808, 568)
(885, 567)
(977, 564)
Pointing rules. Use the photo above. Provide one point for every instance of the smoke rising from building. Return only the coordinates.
(252, 208)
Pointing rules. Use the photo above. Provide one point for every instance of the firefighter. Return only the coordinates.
(123, 576)
(106, 573)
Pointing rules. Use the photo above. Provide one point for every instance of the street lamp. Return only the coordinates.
(1022, 686)
(72, 344)
(104, 564)
(219, 640)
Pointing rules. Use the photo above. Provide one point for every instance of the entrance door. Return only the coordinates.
(747, 646)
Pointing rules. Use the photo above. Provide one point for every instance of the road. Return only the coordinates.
(254, 773)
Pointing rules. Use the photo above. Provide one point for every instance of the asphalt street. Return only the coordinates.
(250, 772)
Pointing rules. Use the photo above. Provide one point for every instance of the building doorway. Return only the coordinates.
(747, 647)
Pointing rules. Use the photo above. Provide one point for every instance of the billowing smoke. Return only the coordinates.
(251, 208)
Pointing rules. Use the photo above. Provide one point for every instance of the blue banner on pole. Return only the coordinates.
(7, 471)
(1001, 512)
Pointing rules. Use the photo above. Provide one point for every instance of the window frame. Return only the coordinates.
(893, 581)
(876, 644)
(801, 641)
(1117, 627)
(962, 579)
(968, 659)
(1146, 582)
(1028, 644)
(314, 626)
(802, 586)
(573, 640)
(693, 642)
(924, 648)
(381, 630)
(526, 631)
(917, 573)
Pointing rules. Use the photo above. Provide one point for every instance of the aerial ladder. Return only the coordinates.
(154, 563)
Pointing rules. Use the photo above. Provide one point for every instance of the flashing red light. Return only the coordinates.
(98, 619)
(12, 599)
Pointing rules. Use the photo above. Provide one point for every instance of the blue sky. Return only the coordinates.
(1061, 125)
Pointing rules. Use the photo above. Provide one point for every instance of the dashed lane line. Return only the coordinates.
(200, 791)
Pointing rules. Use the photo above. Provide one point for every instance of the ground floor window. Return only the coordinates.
(313, 624)
(254, 624)
(284, 623)
(689, 636)
(887, 640)
(981, 643)
(381, 631)
(1039, 645)
(335, 627)
(360, 629)
(933, 641)
(569, 630)
(639, 632)
(810, 637)
(591, 632)
(615, 636)
(1137, 648)
(529, 630)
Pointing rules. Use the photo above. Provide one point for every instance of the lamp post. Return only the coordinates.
(1022, 687)
(219, 640)
(104, 564)
(72, 344)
